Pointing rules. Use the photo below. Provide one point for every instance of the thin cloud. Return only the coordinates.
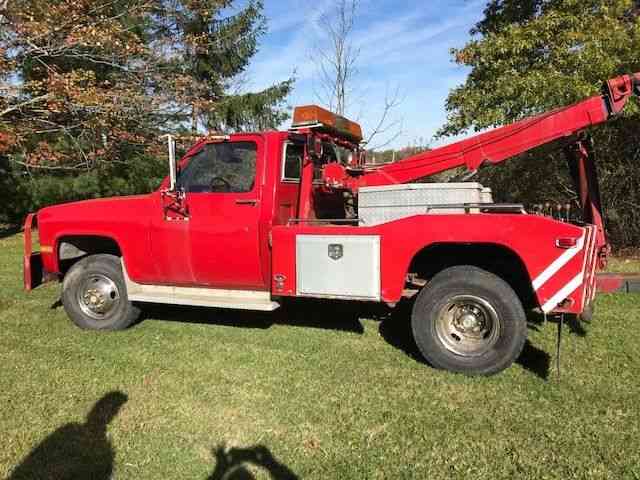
(408, 48)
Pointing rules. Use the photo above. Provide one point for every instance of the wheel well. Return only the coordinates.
(497, 259)
(73, 248)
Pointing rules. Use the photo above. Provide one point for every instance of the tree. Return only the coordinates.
(337, 71)
(71, 76)
(87, 88)
(529, 56)
(201, 56)
(337, 66)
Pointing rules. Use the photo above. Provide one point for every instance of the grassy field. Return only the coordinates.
(326, 391)
(624, 265)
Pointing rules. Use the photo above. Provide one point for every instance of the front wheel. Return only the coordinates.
(94, 294)
(469, 320)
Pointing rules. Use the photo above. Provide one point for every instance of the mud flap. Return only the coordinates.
(33, 271)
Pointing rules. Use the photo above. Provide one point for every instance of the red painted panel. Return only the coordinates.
(170, 247)
(530, 237)
(283, 280)
(126, 220)
(610, 283)
(618, 282)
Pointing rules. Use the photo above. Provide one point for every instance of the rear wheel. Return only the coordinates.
(470, 321)
(94, 294)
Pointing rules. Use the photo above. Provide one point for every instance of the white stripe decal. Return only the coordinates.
(557, 264)
(587, 256)
(594, 264)
(563, 293)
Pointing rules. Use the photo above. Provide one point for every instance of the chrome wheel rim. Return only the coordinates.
(98, 296)
(468, 325)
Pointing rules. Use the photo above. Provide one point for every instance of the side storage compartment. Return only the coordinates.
(337, 266)
(383, 204)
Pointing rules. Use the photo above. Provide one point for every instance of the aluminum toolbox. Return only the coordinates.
(338, 266)
(383, 204)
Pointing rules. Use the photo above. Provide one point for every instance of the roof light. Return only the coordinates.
(315, 116)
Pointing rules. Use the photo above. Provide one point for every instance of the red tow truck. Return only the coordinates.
(245, 220)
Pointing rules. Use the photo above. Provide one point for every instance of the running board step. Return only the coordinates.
(200, 297)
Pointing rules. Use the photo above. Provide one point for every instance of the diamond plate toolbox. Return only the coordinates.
(378, 205)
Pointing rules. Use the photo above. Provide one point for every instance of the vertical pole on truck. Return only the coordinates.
(171, 145)
(306, 182)
(558, 340)
(581, 161)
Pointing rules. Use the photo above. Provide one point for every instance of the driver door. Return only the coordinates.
(223, 194)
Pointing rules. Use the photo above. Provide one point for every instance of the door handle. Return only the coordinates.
(247, 202)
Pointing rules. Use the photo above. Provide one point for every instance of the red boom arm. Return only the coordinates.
(500, 144)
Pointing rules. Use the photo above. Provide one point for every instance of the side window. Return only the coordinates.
(292, 161)
(220, 168)
(293, 154)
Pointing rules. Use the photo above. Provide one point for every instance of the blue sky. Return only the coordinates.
(403, 44)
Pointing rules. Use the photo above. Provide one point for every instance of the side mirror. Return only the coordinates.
(173, 200)
(173, 167)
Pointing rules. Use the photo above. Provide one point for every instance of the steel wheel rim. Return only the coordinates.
(98, 296)
(468, 325)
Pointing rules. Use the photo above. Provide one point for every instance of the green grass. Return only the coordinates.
(321, 392)
(624, 265)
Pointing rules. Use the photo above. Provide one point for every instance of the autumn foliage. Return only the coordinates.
(88, 87)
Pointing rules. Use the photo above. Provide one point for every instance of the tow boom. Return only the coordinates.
(502, 143)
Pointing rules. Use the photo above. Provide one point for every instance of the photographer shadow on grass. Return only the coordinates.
(76, 450)
(241, 463)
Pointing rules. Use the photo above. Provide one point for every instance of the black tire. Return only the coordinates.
(94, 294)
(470, 321)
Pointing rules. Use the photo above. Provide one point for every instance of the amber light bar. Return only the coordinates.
(313, 115)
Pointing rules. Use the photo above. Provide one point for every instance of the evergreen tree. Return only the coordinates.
(202, 52)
